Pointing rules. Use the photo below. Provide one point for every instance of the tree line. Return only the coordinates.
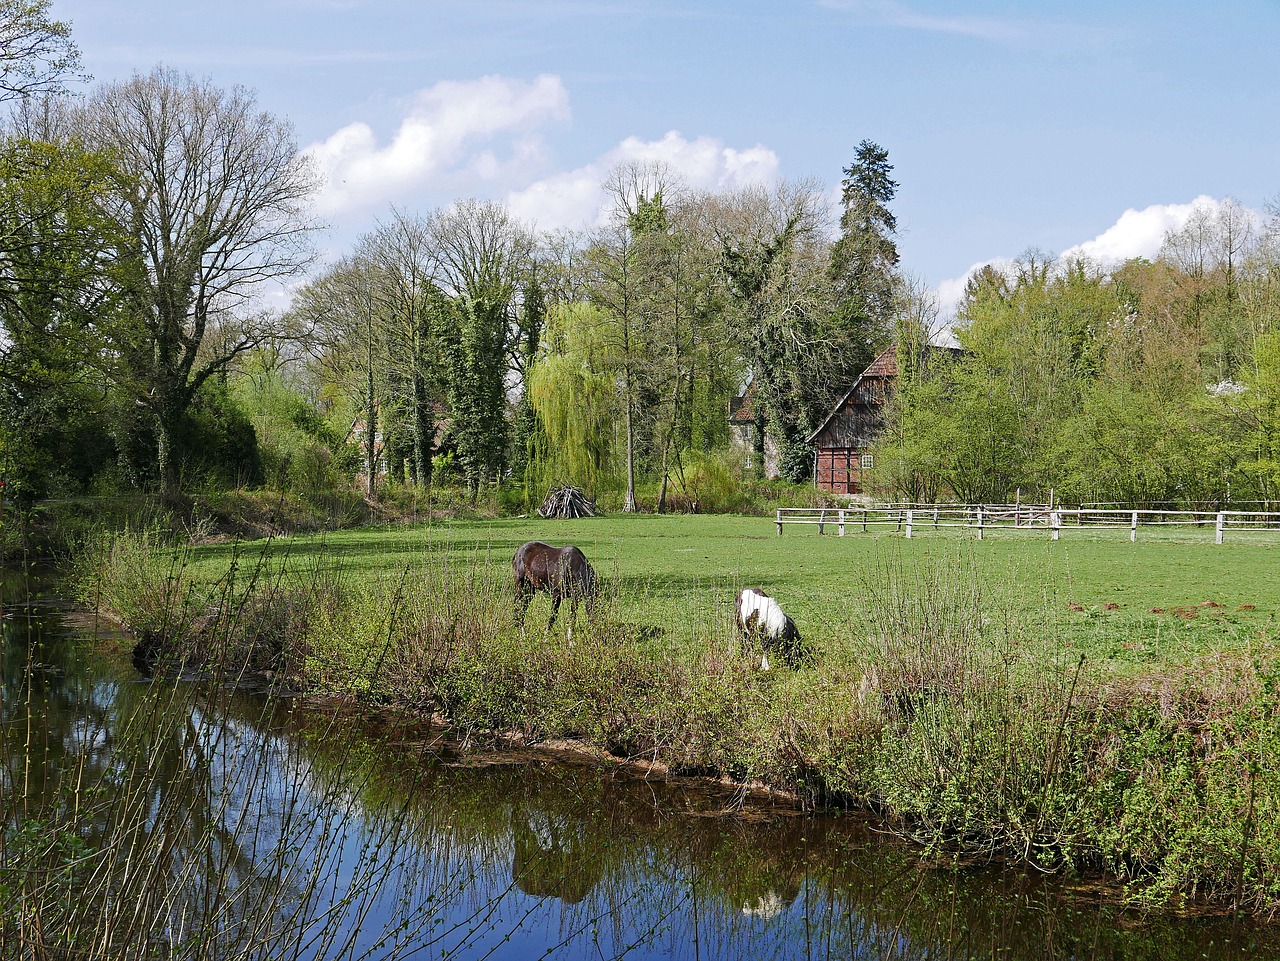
(1154, 382)
(141, 223)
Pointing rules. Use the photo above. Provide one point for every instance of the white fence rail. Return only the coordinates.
(1041, 518)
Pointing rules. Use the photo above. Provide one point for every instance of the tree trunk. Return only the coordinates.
(629, 504)
(422, 431)
(168, 411)
(168, 475)
(371, 431)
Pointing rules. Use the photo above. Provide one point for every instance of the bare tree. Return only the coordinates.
(414, 310)
(214, 206)
(337, 316)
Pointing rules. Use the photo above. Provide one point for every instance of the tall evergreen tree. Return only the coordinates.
(864, 261)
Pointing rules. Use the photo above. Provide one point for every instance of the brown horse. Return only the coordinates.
(561, 572)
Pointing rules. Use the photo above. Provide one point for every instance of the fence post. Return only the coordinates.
(1055, 521)
(935, 515)
(909, 517)
(842, 523)
(778, 521)
(1133, 529)
(979, 522)
(822, 517)
(1222, 523)
(864, 520)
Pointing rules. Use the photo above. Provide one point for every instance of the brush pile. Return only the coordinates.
(567, 502)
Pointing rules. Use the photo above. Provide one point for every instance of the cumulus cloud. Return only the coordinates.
(576, 199)
(1138, 233)
(448, 131)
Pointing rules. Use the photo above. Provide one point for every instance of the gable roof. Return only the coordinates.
(884, 366)
(742, 407)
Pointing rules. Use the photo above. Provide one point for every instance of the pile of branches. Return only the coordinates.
(567, 501)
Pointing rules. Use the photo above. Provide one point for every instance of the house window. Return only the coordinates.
(866, 461)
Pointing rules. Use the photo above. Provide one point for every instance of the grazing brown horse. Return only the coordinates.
(560, 571)
(759, 617)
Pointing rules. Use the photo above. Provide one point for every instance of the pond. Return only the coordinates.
(193, 819)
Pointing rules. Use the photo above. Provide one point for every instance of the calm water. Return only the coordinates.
(304, 830)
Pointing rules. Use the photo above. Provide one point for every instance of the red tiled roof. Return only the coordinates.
(886, 365)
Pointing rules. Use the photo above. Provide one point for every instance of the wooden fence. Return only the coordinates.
(1033, 518)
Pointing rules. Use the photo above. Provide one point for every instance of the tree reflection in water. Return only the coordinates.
(169, 821)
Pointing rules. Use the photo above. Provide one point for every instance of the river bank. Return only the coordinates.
(949, 717)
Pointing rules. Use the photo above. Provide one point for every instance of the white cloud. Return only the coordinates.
(441, 136)
(1138, 233)
(576, 198)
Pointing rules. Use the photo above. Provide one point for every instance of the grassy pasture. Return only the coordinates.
(948, 688)
(1125, 606)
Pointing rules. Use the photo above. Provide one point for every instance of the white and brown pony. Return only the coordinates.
(760, 619)
(561, 572)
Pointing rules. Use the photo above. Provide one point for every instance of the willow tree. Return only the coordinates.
(574, 400)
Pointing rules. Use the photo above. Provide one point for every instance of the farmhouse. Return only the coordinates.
(743, 432)
(842, 442)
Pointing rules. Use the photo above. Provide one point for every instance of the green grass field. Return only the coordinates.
(1124, 605)
(1086, 702)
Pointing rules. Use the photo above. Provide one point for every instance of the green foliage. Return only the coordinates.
(219, 440)
(55, 304)
(940, 692)
(37, 55)
(300, 451)
(219, 443)
(1117, 387)
(960, 429)
(575, 404)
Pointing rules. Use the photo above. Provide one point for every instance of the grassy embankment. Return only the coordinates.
(1087, 703)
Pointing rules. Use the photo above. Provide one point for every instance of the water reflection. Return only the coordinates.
(234, 826)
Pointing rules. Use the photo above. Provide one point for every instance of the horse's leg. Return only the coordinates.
(555, 607)
(573, 615)
(523, 597)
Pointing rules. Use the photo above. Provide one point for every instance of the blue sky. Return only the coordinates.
(1010, 125)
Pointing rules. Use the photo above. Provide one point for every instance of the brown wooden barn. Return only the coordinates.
(843, 441)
